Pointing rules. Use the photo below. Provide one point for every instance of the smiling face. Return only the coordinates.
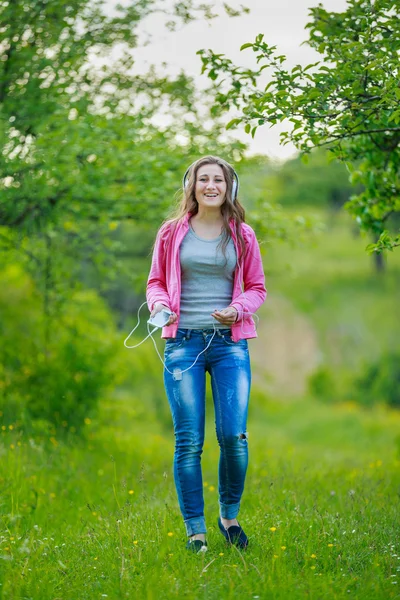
(210, 187)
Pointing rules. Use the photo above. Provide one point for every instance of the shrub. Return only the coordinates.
(322, 384)
(380, 381)
(56, 376)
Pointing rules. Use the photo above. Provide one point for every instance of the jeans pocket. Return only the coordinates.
(229, 341)
(176, 342)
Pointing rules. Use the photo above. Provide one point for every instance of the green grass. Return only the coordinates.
(320, 508)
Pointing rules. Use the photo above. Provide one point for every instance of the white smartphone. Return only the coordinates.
(160, 319)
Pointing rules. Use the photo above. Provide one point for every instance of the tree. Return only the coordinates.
(80, 151)
(73, 112)
(349, 102)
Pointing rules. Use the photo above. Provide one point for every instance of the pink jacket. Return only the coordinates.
(164, 282)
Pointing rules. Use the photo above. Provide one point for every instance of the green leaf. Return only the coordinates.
(394, 116)
(248, 45)
(232, 123)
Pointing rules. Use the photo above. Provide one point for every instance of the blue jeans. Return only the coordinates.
(228, 363)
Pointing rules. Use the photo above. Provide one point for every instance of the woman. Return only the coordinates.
(202, 258)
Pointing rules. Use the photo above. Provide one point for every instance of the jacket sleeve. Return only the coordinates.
(156, 289)
(252, 274)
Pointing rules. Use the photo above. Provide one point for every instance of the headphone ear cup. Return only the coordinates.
(235, 187)
(185, 181)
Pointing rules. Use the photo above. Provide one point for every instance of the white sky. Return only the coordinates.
(281, 21)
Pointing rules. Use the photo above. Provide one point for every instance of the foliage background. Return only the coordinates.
(86, 434)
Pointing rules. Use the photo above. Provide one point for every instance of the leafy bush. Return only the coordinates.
(380, 381)
(54, 370)
(322, 384)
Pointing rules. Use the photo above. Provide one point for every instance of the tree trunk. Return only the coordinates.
(379, 259)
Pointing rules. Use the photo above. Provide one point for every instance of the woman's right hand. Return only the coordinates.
(158, 307)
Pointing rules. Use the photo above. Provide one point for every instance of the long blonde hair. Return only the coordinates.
(229, 209)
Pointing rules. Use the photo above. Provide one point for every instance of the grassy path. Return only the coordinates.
(100, 519)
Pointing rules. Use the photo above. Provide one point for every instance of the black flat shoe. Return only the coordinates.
(196, 546)
(234, 535)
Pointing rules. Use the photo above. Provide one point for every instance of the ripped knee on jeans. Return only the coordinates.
(243, 436)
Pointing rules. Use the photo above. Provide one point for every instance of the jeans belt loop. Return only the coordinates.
(188, 333)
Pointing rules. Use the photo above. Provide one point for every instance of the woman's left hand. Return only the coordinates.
(226, 316)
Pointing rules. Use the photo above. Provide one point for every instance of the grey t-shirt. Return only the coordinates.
(207, 280)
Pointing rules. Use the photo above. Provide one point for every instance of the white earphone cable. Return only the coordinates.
(150, 334)
(134, 329)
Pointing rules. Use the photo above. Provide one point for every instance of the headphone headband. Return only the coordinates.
(235, 183)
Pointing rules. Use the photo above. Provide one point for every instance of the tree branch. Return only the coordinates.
(356, 133)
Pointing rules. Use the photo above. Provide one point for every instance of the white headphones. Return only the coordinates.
(235, 184)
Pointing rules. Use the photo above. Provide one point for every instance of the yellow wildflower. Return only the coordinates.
(170, 533)
(272, 528)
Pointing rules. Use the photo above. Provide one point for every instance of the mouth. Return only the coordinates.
(211, 195)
